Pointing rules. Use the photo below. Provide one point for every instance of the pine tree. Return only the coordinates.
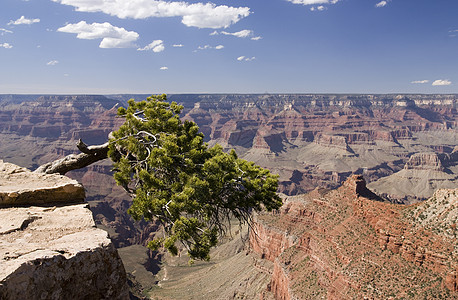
(176, 178)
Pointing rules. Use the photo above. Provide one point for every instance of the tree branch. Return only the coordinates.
(90, 155)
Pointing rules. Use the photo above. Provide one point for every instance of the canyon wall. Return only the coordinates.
(309, 140)
(347, 246)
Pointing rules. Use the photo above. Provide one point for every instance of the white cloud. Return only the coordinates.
(381, 4)
(442, 82)
(200, 15)
(177, 45)
(163, 68)
(52, 63)
(313, 2)
(112, 36)
(6, 46)
(23, 21)
(3, 31)
(241, 34)
(156, 46)
(244, 58)
(319, 8)
(420, 81)
(219, 47)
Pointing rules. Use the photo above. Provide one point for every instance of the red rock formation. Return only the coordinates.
(347, 246)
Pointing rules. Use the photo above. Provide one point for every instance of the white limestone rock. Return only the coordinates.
(19, 186)
(54, 252)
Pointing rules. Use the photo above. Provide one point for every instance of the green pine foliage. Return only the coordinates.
(176, 178)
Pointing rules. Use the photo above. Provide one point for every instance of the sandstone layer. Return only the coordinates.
(51, 249)
(342, 245)
(19, 186)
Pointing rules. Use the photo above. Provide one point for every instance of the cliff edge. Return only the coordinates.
(49, 245)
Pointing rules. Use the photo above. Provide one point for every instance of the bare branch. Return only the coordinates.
(90, 155)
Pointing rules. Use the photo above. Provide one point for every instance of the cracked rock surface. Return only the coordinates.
(55, 252)
(19, 186)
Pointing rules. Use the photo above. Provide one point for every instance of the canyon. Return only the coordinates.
(405, 147)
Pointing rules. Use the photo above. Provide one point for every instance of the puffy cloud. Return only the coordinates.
(23, 21)
(156, 46)
(198, 15)
(442, 82)
(163, 68)
(241, 34)
(244, 58)
(6, 46)
(52, 63)
(381, 4)
(219, 47)
(313, 2)
(3, 31)
(420, 81)
(256, 38)
(177, 45)
(112, 36)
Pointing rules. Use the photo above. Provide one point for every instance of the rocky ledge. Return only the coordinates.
(19, 186)
(49, 245)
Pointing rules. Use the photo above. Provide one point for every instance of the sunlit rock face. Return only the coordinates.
(348, 244)
(49, 246)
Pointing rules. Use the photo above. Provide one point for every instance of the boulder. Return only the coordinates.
(53, 251)
(19, 186)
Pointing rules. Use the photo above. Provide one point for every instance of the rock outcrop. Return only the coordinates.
(49, 245)
(424, 161)
(19, 187)
(343, 245)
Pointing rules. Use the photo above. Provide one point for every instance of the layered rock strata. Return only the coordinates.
(19, 187)
(310, 140)
(51, 249)
(423, 173)
(343, 245)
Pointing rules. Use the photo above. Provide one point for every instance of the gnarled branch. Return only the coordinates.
(90, 155)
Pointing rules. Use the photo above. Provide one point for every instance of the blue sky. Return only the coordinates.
(228, 46)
